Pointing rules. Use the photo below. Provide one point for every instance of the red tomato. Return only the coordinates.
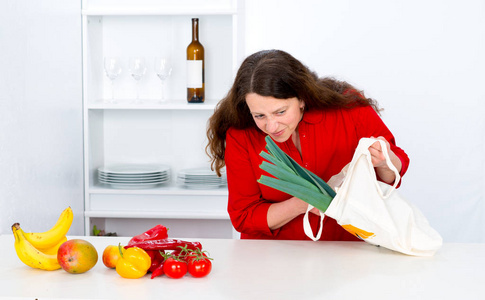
(174, 268)
(199, 267)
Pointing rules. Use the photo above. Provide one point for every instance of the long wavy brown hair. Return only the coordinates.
(277, 74)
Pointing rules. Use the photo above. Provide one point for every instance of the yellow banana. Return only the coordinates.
(53, 249)
(50, 238)
(31, 256)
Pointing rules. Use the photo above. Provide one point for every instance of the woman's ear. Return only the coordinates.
(302, 104)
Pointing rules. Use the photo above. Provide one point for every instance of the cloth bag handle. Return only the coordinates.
(306, 224)
(367, 142)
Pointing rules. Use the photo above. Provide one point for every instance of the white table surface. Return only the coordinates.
(255, 269)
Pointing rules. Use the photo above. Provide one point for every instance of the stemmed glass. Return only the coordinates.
(163, 69)
(137, 69)
(112, 67)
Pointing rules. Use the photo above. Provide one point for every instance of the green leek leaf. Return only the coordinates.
(293, 179)
(314, 198)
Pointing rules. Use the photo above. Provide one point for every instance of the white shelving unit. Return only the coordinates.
(171, 132)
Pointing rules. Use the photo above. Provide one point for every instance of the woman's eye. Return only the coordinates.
(280, 112)
(258, 116)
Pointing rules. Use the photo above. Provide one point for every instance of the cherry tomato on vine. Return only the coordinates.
(199, 267)
(194, 255)
(174, 268)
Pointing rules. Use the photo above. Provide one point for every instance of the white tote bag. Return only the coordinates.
(375, 212)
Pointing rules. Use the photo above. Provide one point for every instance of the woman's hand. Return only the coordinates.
(379, 161)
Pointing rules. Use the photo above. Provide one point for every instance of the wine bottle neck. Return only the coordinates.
(195, 29)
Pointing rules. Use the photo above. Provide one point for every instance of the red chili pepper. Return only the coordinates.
(165, 244)
(158, 270)
(156, 233)
(156, 257)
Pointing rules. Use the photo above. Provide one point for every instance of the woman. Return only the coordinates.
(318, 122)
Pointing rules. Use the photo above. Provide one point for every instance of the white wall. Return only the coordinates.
(40, 113)
(423, 61)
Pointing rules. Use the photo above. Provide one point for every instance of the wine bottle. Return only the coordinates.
(195, 67)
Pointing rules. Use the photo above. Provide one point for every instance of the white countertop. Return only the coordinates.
(256, 269)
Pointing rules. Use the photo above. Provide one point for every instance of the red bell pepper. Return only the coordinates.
(156, 233)
(165, 244)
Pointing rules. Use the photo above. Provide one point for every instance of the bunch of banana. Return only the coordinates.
(39, 249)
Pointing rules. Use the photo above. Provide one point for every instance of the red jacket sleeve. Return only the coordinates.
(246, 208)
(370, 121)
(369, 124)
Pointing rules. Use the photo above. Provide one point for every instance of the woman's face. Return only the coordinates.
(278, 118)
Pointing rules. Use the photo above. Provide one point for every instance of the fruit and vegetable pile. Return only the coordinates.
(149, 252)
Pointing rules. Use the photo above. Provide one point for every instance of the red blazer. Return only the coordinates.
(328, 141)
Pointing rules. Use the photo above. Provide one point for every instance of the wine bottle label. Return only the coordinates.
(194, 74)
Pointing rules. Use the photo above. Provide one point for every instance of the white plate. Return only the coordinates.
(134, 175)
(202, 179)
(132, 169)
(201, 182)
(133, 181)
(198, 172)
(202, 186)
(133, 186)
(115, 177)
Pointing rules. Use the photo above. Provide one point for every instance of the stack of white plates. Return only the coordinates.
(200, 178)
(134, 176)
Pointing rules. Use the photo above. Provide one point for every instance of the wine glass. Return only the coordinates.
(137, 69)
(112, 67)
(163, 69)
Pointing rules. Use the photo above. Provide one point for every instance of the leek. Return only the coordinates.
(293, 179)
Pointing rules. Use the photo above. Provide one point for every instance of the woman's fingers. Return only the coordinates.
(375, 150)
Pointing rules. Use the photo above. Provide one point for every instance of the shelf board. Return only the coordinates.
(158, 7)
(158, 215)
(169, 190)
(181, 11)
(152, 104)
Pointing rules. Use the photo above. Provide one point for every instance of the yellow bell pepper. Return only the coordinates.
(133, 263)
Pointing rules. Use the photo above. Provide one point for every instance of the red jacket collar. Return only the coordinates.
(313, 116)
